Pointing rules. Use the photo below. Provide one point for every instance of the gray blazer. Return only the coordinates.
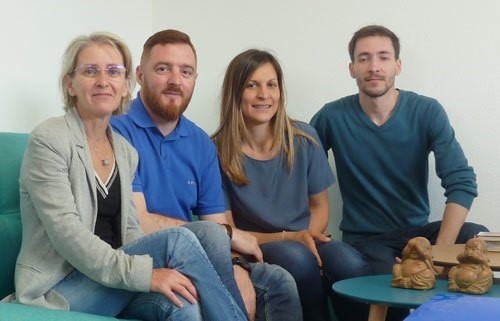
(59, 210)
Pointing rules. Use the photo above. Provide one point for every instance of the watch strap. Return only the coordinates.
(238, 260)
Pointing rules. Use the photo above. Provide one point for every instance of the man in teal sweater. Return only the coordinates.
(381, 139)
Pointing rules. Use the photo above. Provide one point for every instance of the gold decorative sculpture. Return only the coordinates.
(416, 270)
(473, 274)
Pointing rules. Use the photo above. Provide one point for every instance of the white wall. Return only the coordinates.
(450, 50)
(34, 35)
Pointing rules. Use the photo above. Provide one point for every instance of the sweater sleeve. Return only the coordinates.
(457, 177)
(320, 124)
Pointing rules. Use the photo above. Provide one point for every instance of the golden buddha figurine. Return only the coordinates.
(416, 270)
(472, 274)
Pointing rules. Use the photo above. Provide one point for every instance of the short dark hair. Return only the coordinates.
(164, 37)
(371, 31)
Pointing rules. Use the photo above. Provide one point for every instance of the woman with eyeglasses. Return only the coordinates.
(82, 246)
(275, 177)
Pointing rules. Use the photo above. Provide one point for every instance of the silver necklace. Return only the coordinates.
(105, 161)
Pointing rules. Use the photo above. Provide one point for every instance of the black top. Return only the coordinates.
(107, 226)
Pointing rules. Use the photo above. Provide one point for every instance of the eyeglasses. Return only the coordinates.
(92, 71)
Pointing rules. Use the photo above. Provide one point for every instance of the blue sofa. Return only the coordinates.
(12, 146)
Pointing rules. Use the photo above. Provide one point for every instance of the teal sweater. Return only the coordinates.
(383, 170)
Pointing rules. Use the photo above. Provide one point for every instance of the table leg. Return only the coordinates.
(377, 312)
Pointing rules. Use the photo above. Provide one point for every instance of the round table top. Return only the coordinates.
(446, 255)
(377, 289)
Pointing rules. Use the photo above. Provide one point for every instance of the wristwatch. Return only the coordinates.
(239, 260)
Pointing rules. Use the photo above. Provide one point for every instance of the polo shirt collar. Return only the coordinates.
(141, 118)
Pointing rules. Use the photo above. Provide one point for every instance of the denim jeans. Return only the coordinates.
(340, 261)
(276, 293)
(175, 248)
(216, 244)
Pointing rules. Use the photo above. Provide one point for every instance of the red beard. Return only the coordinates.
(166, 111)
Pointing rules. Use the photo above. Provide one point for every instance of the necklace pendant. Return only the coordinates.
(105, 162)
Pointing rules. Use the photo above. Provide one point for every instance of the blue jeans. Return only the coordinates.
(276, 293)
(175, 248)
(340, 261)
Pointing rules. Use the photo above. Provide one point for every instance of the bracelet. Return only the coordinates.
(229, 230)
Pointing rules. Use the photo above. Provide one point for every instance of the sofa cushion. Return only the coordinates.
(12, 147)
(19, 312)
(10, 242)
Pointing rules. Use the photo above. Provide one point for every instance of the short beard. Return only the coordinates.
(164, 111)
(375, 94)
(378, 93)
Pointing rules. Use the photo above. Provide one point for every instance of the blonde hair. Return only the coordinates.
(232, 130)
(70, 60)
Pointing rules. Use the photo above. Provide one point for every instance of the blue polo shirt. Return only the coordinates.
(178, 173)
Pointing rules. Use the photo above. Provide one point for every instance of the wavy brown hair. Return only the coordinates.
(232, 130)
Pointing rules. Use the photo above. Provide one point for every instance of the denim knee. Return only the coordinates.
(207, 229)
(159, 241)
(212, 237)
(294, 256)
(342, 261)
(266, 276)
